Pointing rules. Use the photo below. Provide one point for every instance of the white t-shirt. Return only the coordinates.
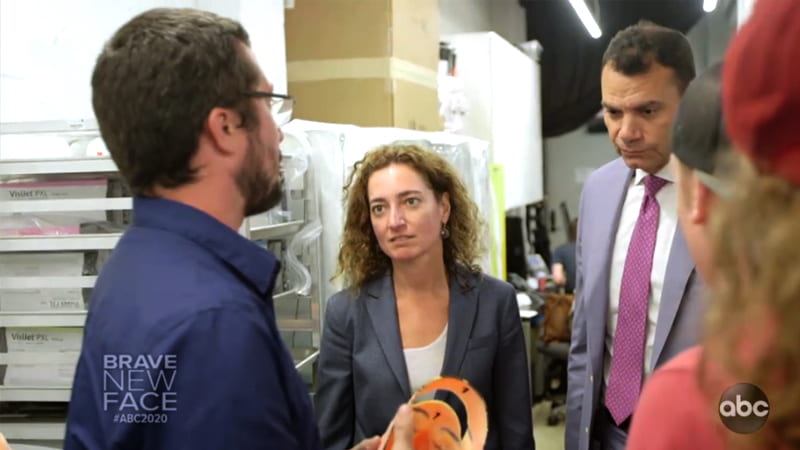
(423, 364)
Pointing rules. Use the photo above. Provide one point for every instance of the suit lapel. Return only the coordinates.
(679, 269)
(382, 310)
(461, 317)
(601, 237)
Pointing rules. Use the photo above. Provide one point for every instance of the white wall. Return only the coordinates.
(463, 16)
(501, 85)
(507, 18)
(504, 17)
(710, 36)
(567, 160)
(48, 48)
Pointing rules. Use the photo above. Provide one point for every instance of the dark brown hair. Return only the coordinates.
(156, 81)
(633, 50)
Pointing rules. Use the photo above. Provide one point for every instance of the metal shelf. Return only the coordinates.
(41, 430)
(62, 394)
(47, 282)
(44, 358)
(68, 126)
(17, 168)
(57, 243)
(74, 204)
(285, 296)
(78, 318)
(276, 231)
(306, 361)
(35, 394)
(52, 427)
(296, 324)
(43, 319)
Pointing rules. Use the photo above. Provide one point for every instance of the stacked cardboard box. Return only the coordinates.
(365, 62)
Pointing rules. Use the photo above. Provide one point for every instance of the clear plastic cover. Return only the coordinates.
(334, 149)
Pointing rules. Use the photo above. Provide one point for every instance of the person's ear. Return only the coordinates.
(223, 126)
(702, 200)
(444, 204)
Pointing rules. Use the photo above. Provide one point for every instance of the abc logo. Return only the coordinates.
(744, 408)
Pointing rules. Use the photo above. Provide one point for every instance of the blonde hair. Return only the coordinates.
(361, 259)
(755, 302)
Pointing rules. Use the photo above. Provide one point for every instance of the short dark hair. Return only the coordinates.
(634, 49)
(156, 81)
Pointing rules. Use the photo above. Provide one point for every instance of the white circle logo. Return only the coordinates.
(744, 408)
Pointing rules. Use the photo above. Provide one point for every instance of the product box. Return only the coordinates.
(41, 298)
(365, 62)
(65, 341)
(51, 339)
(52, 375)
(50, 223)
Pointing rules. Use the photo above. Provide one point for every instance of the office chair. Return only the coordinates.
(553, 363)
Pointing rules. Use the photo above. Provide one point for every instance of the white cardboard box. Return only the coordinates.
(55, 339)
(50, 223)
(40, 375)
(42, 298)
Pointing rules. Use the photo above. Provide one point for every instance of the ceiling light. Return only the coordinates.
(709, 5)
(586, 17)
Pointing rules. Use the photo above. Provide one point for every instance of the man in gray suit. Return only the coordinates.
(638, 299)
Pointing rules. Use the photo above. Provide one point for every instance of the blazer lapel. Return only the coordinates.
(600, 237)
(679, 269)
(461, 317)
(382, 310)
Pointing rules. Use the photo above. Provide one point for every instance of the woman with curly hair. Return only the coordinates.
(416, 305)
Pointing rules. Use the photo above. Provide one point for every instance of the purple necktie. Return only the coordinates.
(627, 363)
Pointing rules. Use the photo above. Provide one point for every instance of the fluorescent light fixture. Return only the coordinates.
(709, 5)
(586, 17)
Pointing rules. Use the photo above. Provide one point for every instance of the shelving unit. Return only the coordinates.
(32, 425)
(103, 166)
(23, 428)
(42, 319)
(59, 243)
(298, 313)
(76, 205)
(266, 232)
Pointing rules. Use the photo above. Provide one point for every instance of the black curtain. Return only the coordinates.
(571, 59)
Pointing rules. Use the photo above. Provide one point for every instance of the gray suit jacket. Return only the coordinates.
(680, 314)
(362, 371)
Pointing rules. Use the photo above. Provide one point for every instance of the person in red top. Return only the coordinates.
(743, 233)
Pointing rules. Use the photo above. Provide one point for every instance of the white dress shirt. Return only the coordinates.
(667, 223)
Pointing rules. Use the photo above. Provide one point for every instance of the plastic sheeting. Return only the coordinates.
(334, 149)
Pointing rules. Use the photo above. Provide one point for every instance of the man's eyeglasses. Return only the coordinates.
(280, 105)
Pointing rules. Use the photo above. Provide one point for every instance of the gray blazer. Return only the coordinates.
(362, 371)
(679, 318)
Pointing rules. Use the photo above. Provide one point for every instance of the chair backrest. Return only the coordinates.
(557, 317)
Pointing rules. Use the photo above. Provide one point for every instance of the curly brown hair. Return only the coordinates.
(361, 259)
(754, 305)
